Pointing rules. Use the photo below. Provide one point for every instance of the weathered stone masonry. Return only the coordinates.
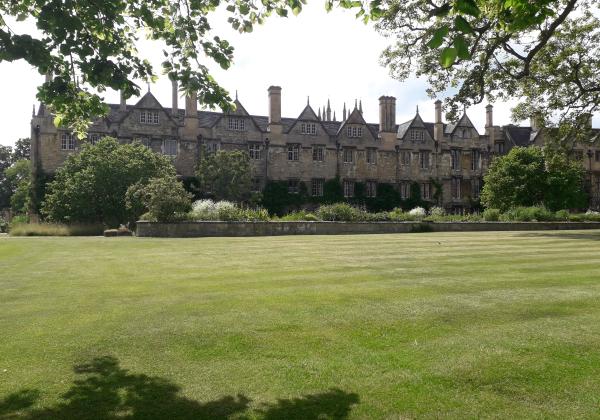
(313, 147)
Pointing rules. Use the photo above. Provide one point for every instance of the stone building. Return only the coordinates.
(311, 148)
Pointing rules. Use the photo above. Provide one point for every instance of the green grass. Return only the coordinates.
(503, 325)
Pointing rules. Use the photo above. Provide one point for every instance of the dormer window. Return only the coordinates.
(417, 135)
(149, 117)
(354, 131)
(308, 128)
(236, 124)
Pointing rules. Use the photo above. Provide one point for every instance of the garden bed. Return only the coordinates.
(275, 228)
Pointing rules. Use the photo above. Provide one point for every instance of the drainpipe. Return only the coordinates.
(266, 160)
(397, 166)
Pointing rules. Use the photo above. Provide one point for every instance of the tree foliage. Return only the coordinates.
(89, 46)
(18, 177)
(546, 52)
(529, 177)
(90, 186)
(165, 199)
(226, 175)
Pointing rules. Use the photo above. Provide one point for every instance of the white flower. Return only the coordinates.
(417, 211)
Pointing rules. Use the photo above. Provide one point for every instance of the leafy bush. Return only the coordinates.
(339, 212)
(206, 210)
(491, 215)
(90, 186)
(382, 216)
(55, 229)
(164, 198)
(226, 175)
(530, 176)
(3, 225)
(527, 214)
(398, 215)
(589, 216)
(299, 216)
(562, 215)
(436, 211)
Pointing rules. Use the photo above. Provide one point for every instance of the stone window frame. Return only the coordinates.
(354, 131)
(67, 141)
(371, 188)
(349, 186)
(475, 159)
(236, 124)
(149, 117)
(309, 129)
(500, 147)
(416, 134)
(405, 157)
(317, 187)
(455, 188)
(293, 186)
(255, 150)
(318, 153)
(426, 190)
(94, 138)
(476, 187)
(424, 157)
(371, 155)
(348, 155)
(405, 190)
(293, 152)
(167, 150)
(455, 159)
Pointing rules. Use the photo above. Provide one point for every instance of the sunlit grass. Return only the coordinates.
(432, 325)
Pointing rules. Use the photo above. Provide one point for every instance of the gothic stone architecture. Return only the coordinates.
(312, 148)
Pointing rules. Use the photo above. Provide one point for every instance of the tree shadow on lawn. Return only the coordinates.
(107, 391)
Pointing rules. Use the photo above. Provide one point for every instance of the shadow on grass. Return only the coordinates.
(588, 235)
(107, 391)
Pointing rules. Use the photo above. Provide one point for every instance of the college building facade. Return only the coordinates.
(447, 160)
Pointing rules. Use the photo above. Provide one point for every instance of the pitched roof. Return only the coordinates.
(520, 136)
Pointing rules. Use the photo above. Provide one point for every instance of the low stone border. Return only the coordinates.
(202, 229)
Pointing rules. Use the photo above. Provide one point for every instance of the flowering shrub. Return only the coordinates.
(226, 211)
(418, 212)
(436, 211)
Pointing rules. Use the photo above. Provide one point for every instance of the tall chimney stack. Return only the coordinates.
(534, 122)
(489, 116)
(191, 105)
(274, 105)
(387, 114)
(438, 129)
(175, 97)
(123, 103)
(438, 112)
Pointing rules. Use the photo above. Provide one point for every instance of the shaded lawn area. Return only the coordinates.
(399, 326)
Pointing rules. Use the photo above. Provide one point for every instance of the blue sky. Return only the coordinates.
(322, 55)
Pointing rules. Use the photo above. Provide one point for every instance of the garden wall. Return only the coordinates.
(201, 229)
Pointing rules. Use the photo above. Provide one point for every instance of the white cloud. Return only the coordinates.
(322, 55)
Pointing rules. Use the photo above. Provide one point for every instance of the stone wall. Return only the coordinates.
(203, 229)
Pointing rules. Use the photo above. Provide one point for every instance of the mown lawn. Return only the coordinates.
(503, 325)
